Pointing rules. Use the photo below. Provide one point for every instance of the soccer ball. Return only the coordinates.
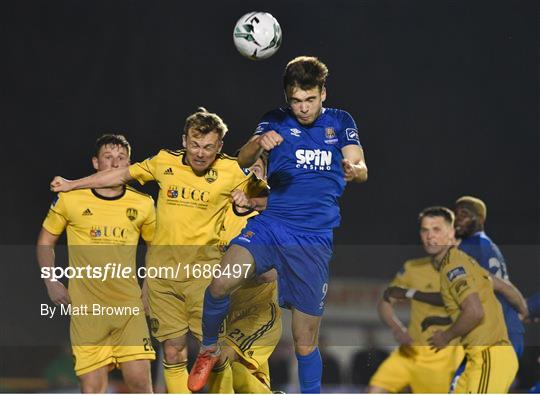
(257, 35)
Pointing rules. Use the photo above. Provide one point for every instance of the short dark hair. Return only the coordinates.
(437, 211)
(112, 139)
(205, 122)
(305, 72)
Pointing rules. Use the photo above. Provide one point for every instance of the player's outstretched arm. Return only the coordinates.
(251, 151)
(102, 179)
(389, 318)
(470, 316)
(432, 298)
(45, 256)
(512, 294)
(354, 164)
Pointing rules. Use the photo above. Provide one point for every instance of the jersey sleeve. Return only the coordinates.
(250, 184)
(149, 225)
(57, 217)
(460, 281)
(144, 171)
(402, 278)
(267, 123)
(347, 132)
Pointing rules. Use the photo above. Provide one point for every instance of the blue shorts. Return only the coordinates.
(300, 258)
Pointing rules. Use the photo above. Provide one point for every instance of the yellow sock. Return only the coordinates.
(221, 379)
(245, 382)
(176, 377)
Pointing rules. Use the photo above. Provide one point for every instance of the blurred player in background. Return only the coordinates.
(253, 325)
(313, 153)
(195, 188)
(414, 364)
(468, 296)
(103, 226)
(471, 214)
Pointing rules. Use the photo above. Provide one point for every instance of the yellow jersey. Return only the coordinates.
(462, 276)
(420, 274)
(102, 236)
(190, 208)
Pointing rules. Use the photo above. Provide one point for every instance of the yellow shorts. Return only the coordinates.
(253, 332)
(420, 368)
(176, 307)
(488, 370)
(99, 341)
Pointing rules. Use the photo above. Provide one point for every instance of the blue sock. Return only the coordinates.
(214, 312)
(310, 372)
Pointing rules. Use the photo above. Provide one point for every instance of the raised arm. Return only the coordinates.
(354, 164)
(45, 256)
(432, 298)
(102, 179)
(251, 151)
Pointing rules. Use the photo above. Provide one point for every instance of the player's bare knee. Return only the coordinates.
(93, 386)
(303, 350)
(140, 384)
(220, 287)
(174, 351)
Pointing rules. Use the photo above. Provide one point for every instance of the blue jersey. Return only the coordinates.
(304, 172)
(487, 254)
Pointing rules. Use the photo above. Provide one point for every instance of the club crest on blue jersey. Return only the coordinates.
(330, 135)
(455, 273)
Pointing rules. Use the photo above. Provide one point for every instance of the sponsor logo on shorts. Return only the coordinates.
(247, 236)
(154, 325)
(455, 273)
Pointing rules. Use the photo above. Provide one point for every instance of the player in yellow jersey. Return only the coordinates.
(108, 325)
(477, 318)
(414, 364)
(195, 188)
(253, 325)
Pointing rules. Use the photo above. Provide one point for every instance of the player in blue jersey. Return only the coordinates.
(470, 218)
(313, 152)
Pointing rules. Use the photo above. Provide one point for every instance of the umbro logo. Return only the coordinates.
(87, 212)
(168, 172)
(295, 132)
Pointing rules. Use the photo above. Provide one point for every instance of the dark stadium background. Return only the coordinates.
(445, 95)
